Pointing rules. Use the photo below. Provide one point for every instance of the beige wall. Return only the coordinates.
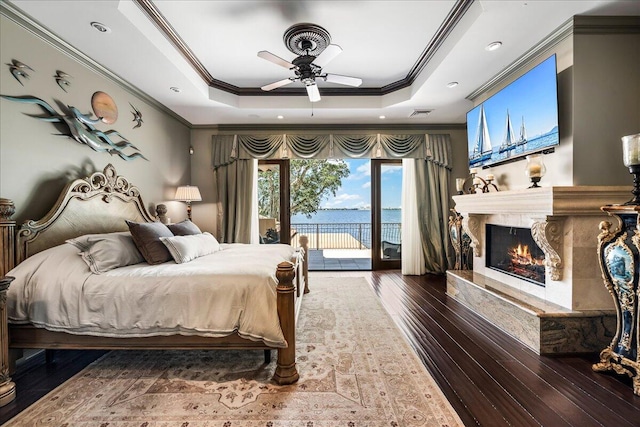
(606, 105)
(35, 163)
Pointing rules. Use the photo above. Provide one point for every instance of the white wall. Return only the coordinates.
(35, 163)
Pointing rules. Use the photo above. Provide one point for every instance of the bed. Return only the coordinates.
(236, 297)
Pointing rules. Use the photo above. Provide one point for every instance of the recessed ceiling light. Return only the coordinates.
(101, 27)
(493, 46)
(452, 84)
(383, 117)
(280, 117)
(175, 89)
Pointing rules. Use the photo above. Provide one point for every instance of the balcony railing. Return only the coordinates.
(343, 235)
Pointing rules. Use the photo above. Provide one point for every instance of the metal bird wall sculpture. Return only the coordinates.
(81, 128)
(62, 79)
(17, 69)
(137, 116)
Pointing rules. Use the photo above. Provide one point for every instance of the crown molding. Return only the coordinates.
(587, 24)
(25, 21)
(329, 128)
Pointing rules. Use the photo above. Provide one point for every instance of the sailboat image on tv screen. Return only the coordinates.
(509, 141)
(523, 134)
(482, 146)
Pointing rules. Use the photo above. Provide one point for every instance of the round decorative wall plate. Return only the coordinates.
(104, 107)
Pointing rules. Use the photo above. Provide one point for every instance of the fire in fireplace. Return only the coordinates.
(512, 250)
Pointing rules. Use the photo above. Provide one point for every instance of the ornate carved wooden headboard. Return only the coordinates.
(98, 204)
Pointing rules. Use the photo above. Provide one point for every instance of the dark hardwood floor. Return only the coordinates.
(489, 378)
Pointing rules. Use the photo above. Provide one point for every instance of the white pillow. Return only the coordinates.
(104, 252)
(187, 248)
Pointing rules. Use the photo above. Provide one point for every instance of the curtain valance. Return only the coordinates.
(227, 148)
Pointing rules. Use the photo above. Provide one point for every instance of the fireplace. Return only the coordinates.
(513, 251)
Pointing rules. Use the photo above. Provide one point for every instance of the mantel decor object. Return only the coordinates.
(474, 182)
(619, 258)
(188, 194)
(631, 159)
(535, 169)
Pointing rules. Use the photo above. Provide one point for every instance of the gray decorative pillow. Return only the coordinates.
(186, 248)
(184, 228)
(146, 236)
(104, 252)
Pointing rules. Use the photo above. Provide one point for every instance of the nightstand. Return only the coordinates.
(7, 387)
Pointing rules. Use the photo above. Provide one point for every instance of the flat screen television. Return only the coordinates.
(520, 119)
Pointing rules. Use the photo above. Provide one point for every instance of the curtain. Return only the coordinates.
(234, 196)
(255, 223)
(432, 189)
(412, 253)
(228, 148)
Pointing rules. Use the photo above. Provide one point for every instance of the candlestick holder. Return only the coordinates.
(460, 182)
(535, 169)
(635, 170)
(488, 184)
(631, 159)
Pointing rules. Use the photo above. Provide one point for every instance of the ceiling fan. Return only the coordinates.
(312, 44)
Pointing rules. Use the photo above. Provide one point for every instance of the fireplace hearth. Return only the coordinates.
(513, 251)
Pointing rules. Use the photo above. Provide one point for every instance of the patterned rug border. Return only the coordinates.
(445, 415)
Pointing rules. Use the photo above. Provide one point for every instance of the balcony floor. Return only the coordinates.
(339, 259)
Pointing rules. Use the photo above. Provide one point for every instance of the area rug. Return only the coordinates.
(356, 369)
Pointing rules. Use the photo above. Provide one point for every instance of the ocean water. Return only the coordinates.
(355, 222)
(332, 216)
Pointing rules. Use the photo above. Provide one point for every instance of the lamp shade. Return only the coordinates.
(188, 193)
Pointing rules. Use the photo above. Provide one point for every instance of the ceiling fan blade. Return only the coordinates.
(343, 80)
(276, 84)
(275, 59)
(313, 92)
(327, 55)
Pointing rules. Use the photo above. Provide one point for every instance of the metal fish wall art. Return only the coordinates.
(81, 128)
(62, 79)
(137, 116)
(17, 69)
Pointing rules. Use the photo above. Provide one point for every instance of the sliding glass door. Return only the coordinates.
(273, 201)
(386, 196)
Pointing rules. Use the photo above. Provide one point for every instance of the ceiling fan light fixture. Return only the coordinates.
(306, 39)
(313, 45)
(313, 92)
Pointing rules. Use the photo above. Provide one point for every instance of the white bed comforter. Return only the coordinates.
(215, 295)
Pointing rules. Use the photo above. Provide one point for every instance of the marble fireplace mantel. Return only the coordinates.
(554, 201)
(573, 311)
(545, 208)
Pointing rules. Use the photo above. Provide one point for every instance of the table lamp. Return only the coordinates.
(188, 194)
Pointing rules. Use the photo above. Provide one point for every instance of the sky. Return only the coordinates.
(356, 188)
